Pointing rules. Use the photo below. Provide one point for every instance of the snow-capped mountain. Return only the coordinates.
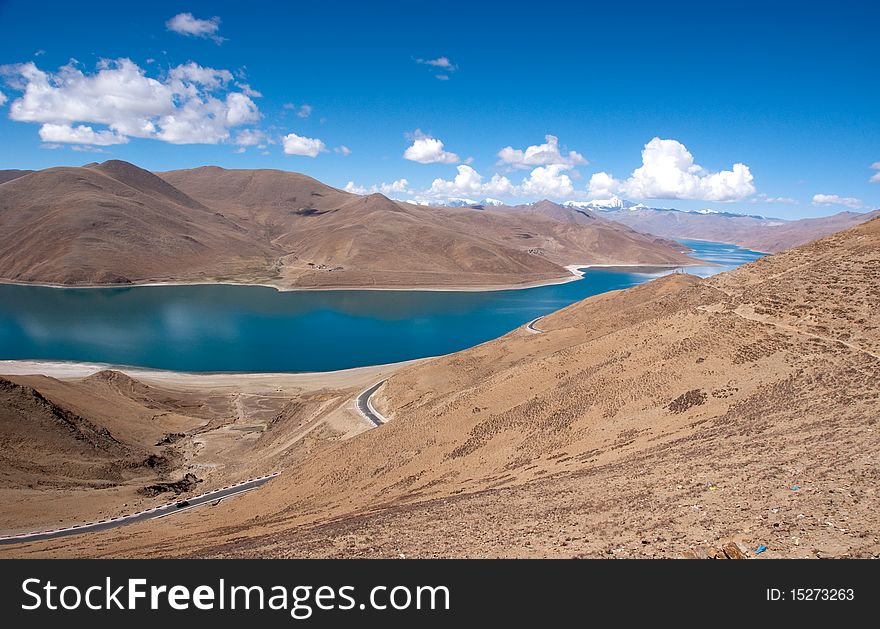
(614, 203)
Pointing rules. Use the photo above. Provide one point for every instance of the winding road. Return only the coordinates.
(150, 514)
(366, 409)
(530, 326)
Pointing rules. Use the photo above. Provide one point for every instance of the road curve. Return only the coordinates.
(530, 326)
(366, 409)
(157, 512)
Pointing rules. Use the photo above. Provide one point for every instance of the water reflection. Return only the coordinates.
(254, 328)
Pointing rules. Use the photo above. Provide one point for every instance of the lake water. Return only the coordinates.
(253, 328)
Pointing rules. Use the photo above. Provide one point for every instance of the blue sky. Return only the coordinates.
(788, 92)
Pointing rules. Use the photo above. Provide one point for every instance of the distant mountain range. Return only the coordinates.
(755, 232)
(115, 223)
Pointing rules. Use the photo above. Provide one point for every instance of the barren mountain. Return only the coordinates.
(115, 223)
(582, 216)
(643, 422)
(374, 241)
(753, 232)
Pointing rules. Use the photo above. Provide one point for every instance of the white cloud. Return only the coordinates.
(87, 149)
(191, 104)
(2, 98)
(439, 62)
(240, 109)
(540, 155)
(191, 26)
(428, 150)
(668, 171)
(248, 90)
(194, 73)
(81, 134)
(342, 150)
(833, 199)
(399, 186)
(250, 137)
(298, 145)
(875, 178)
(603, 186)
(547, 181)
(302, 111)
(469, 183)
(765, 198)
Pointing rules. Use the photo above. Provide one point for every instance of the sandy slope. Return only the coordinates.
(641, 423)
(79, 441)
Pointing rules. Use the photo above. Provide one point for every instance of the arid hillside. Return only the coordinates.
(80, 448)
(339, 239)
(114, 223)
(646, 422)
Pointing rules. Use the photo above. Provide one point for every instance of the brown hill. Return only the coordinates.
(115, 223)
(9, 175)
(753, 232)
(43, 442)
(614, 234)
(339, 239)
(640, 423)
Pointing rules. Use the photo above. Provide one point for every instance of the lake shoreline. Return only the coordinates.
(75, 370)
(218, 330)
(573, 269)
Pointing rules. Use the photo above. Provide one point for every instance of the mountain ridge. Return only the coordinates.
(115, 223)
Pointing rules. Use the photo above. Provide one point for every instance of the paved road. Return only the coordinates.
(366, 409)
(530, 326)
(157, 512)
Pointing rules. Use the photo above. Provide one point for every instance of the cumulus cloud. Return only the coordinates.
(539, 155)
(399, 186)
(298, 145)
(81, 134)
(191, 104)
(2, 98)
(833, 199)
(603, 186)
(547, 181)
(875, 178)
(428, 150)
(668, 171)
(469, 183)
(342, 150)
(191, 26)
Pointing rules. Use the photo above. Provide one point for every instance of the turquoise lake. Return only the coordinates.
(251, 328)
